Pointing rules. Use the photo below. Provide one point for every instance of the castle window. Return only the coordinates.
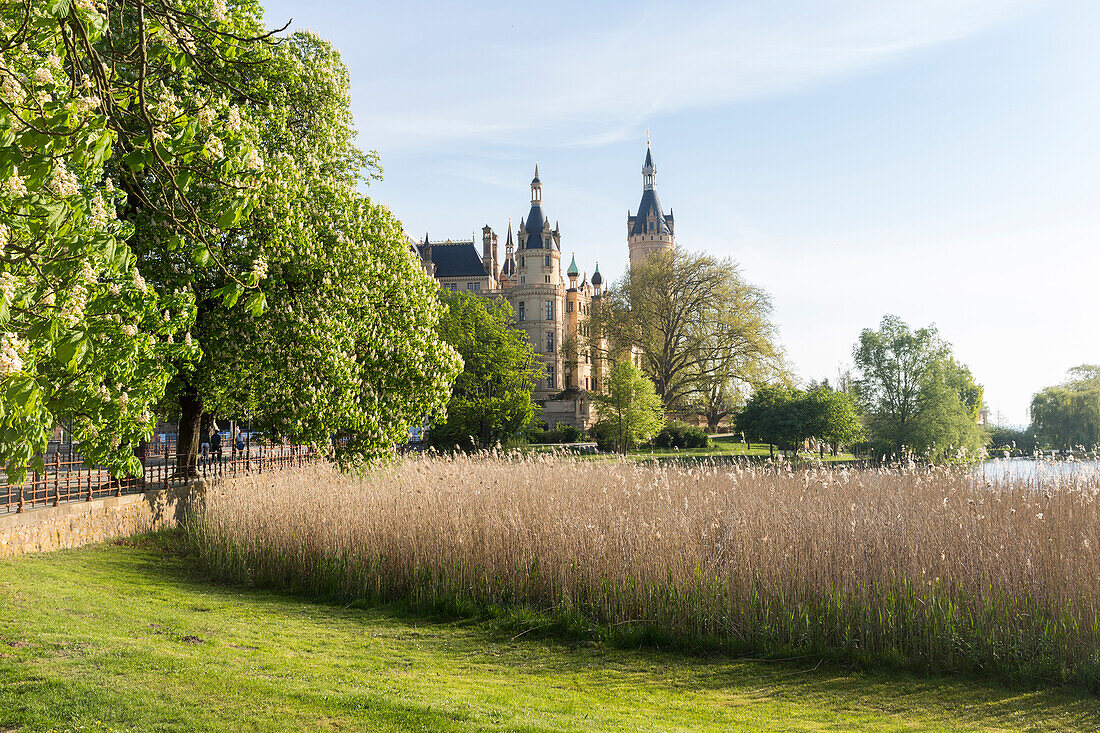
(547, 278)
(522, 279)
(569, 307)
(550, 376)
(546, 260)
(523, 262)
(568, 381)
(549, 342)
(549, 310)
(522, 311)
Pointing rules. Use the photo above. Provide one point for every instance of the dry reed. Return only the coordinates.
(923, 567)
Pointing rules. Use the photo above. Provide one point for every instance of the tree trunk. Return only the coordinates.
(712, 423)
(187, 436)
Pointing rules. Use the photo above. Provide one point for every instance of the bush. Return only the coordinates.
(676, 435)
(561, 433)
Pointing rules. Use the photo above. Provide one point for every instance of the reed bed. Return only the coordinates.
(919, 567)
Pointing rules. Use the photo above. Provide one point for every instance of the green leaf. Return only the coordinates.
(229, 218)
(183, 180)
(58, 8)
(22, 391)
(71, 349)
(135, 160)
(201, 256)
(256, 303)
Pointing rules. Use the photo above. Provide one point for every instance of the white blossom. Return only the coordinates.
(65, 182)
(15, 186)
(234, 122)
(43, 76)
(215, 148)
(7, 286)
(10, 359)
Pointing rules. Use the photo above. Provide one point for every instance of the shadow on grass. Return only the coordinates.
(509, 639)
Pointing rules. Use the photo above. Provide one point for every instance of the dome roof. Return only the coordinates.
(597, 278)
(573, 271)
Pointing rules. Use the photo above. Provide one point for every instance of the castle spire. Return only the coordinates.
(536, 188)
(649, 171)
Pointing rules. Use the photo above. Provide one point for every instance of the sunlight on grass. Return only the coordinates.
(124, 638)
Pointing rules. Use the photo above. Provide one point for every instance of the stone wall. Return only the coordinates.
(83, 523)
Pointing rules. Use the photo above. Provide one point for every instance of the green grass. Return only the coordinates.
(722, 447)
(126, 637)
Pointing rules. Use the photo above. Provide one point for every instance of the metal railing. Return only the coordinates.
(67, 479)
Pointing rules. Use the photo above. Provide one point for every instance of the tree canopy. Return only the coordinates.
(788, 417)
(630, 412)
(1067, 416)
(490, 400)
(702, 331)
(918, 399)
(166, 168)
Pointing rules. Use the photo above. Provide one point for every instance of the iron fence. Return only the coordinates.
(66, 478)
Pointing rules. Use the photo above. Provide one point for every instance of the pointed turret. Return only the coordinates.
(426, 256)
(650, 230)
(572, 272)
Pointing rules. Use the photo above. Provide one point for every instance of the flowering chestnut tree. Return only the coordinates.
(346, 345)
(83, 336)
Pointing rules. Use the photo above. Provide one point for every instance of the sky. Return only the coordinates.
(937, 160)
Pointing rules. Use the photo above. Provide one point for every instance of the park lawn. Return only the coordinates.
(125, 637)
(722, 447)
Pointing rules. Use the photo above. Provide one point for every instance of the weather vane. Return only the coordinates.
(647, 137)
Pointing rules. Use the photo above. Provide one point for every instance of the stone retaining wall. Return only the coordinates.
(84, 523)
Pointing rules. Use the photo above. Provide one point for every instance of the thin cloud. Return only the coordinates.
(595, 88)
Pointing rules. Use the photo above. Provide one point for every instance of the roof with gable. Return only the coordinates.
(455, 259)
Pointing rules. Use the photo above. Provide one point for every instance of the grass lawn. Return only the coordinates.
(123, 637)
(724, 446)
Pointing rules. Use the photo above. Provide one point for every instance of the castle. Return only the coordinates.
(552, 312)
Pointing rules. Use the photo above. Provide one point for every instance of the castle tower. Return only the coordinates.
(650, 230)
(597, 282)
(539, 245)
(489, 253)
(429, 266)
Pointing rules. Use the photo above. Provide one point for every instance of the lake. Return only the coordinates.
(1030, 468)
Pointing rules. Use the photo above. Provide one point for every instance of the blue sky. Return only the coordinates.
(939, 160)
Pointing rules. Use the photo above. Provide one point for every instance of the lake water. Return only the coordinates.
(1029, 468)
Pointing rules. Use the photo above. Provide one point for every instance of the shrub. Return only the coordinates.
(677, 435)
(561, 433)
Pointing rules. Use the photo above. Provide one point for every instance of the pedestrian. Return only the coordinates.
(216, 445)
(204, 447)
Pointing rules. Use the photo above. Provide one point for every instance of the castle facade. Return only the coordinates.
(550, 310)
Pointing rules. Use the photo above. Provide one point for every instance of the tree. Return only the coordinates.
(84, 338)
(313, 319)
(831, 417)
(775, 415)
(1067, 415)
(788, 417)
(917, 398)
(700, 328)
(490, 400)
(346, 343)
(630, 412)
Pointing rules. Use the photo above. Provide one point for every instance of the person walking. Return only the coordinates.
(216, 445)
